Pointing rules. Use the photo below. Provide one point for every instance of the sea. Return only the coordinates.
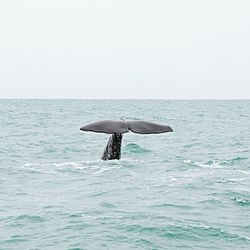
(188, 189)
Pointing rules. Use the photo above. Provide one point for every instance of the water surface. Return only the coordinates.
(183, 190)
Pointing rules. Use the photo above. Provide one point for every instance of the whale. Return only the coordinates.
(117, 129)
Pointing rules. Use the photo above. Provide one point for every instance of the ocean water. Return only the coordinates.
(189, 189)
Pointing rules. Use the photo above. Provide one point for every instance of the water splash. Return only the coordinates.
(99, 166)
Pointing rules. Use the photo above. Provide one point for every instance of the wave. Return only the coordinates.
(30, 218)
(135, 148)
(237, 159)
(185, 232)
(242, 199)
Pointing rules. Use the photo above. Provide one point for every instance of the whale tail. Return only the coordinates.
(118, 128)
(139, 127)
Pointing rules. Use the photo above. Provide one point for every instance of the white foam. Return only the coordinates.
(100, 165)
(204, 165)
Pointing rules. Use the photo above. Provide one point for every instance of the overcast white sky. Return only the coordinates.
(125, 49)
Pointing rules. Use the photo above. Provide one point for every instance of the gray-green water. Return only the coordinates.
(189, 189)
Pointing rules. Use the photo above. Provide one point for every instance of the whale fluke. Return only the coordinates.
(118, 128)
(121, 127)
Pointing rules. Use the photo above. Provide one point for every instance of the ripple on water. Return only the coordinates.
(183, 231)
(237, 159)
(241, 200)
(14, 240)
(136, 149)
(29, 218)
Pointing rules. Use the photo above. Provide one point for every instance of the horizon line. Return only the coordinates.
(139, 99)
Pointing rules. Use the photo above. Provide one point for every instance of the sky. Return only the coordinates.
(125, 49)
